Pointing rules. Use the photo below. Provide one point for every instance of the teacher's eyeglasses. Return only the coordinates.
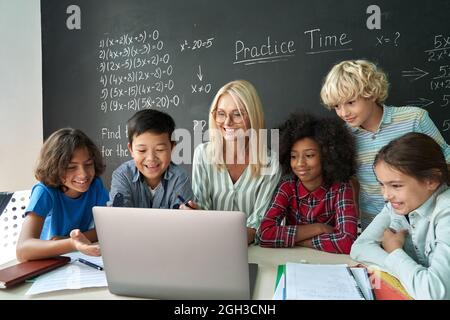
(236, 116)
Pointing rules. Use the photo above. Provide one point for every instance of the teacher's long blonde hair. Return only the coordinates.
(246, 98)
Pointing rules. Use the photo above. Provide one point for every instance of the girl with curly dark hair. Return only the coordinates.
(59, 216)
(315, 197)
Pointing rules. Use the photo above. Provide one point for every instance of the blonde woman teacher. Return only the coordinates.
(235, 170)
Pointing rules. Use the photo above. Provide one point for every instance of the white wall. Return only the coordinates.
(20, 92)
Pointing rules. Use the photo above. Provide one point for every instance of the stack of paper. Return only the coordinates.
(322, 282)
(363, 281)
(74, 275)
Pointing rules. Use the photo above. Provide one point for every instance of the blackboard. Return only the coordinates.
(105, 59)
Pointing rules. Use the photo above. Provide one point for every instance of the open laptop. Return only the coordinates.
(175, 254)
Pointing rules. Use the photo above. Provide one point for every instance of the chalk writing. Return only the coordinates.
(445, 100)
(200, 87)
(165, 101)
(269, 51)
(322, 43)
(196, 44)
(127, 39)
(421, 102)
(440, 50)
(107, 133)
(444, 72)
(446, 125)
(384, 40)
(135, 72)
(440, 84)
(414, 74)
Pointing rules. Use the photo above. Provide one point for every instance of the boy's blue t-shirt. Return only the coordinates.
(63, 214)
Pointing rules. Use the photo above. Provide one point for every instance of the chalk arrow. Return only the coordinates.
(421, 102)
(418, 73)
(199, 74)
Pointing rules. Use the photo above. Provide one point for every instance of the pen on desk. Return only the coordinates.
(90, 264)
(186, 203)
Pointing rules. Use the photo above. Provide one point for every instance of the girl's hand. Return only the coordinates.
(192, 204)
(83, 244)
(393, 240)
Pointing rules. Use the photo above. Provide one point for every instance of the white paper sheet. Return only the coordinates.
(74, 275)
(320, 282)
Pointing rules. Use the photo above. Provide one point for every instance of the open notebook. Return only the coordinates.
(322, 282)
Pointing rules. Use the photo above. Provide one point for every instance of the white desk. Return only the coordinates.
(267, 259)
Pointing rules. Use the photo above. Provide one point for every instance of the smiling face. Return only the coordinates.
(306, 163)
(404, 192)
(230, 119)
(79, 173)
(360, 112)
(152, 154)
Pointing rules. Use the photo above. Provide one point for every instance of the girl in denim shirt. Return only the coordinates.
(410, 238)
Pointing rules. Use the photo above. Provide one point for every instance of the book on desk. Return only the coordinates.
(387, 287)
(20, 272)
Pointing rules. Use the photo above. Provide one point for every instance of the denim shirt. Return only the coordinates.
(128, 181)
(423, 264)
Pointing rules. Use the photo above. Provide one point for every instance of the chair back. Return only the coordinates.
(12, 215)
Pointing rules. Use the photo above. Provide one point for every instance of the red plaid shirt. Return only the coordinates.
(329, 205)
